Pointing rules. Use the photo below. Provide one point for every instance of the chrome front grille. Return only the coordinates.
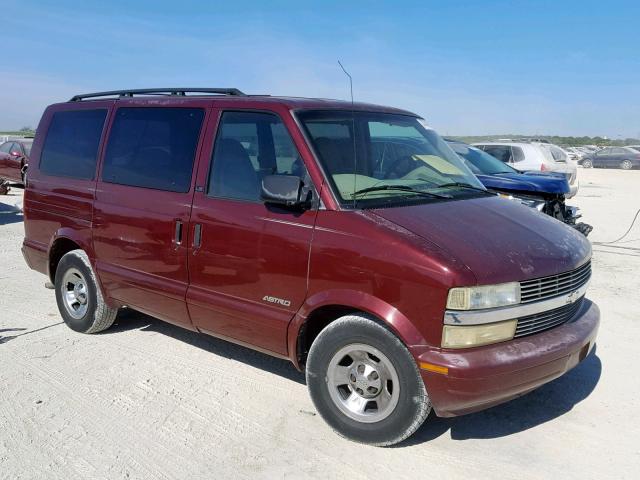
(554, 285)
(546, 320)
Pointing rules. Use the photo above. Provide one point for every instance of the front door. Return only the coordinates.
(248, 263)
(10, 161)
(142, 207)
(602, 158)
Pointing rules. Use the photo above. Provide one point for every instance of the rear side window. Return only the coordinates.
(153, 148)
(518, 154)
(501, 152)
(558, 155)
(71, 146)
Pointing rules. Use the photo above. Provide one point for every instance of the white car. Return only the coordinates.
(575, 153)
(535, 156)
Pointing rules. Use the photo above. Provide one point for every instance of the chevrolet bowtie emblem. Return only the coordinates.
(573, 296)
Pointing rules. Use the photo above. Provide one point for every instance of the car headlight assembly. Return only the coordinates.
(528, 202)
(486, 296)
(537, 204)
(465, 336)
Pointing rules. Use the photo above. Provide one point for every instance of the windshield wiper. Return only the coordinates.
(464, 185)
(403, 188)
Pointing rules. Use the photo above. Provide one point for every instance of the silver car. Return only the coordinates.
(535, 156)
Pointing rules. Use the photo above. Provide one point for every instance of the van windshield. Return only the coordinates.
(376, 159)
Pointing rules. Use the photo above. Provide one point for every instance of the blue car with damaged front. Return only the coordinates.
(544, 191)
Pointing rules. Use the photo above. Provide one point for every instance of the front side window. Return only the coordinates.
(6, 147)
(71, 146)
(501, 152)
(153, 148)
(375, 159)
(249, 146)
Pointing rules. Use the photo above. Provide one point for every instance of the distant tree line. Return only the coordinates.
(558, 140)
(24, 131)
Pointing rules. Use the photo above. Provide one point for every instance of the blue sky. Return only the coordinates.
(470, 68)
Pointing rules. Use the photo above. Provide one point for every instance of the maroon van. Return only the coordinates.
(346, 238)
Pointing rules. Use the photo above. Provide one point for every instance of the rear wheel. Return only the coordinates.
(626, 165)
(587, 164)
(364, 382)
(78, 295)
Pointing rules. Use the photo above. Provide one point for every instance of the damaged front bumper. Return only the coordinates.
(556, 208)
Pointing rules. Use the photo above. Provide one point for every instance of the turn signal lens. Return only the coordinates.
(465, 336)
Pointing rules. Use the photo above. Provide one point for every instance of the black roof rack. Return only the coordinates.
(159, 91)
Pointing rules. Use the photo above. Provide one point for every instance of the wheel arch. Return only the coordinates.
(62, 242)
(321, 309)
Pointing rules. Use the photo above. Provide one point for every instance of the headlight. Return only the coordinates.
(487, 296)
(537, 204)
(458, 336)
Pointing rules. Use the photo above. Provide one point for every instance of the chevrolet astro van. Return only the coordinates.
(347, 238)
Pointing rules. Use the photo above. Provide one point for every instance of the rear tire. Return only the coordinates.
(626, 165)
(78, 295)
(587, 164)
(364, 382)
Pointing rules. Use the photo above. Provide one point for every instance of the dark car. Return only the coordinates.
(14, 159)
(292, 226)
(544, 191)
(612, 157)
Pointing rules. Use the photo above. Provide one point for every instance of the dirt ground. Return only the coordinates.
(149, 400)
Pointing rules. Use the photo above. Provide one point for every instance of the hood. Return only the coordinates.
(525, 182)
(498, 241)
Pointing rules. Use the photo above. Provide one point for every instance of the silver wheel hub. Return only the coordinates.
(74, 293)
(363, 383)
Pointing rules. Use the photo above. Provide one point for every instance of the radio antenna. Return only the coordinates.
(353, 121)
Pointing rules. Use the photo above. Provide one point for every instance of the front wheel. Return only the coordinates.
(364, 382)
(4, 187)
(587, 164)
(626, 165)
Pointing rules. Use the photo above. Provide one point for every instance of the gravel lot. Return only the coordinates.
(149, 400)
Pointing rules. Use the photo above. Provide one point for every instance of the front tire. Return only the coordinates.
(364, 382)
(78, 295)
(4, 187)
(626, 165)
(587, 164)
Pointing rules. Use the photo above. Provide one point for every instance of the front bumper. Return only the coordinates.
(482, 377)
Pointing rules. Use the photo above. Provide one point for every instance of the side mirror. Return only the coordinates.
(283, 190)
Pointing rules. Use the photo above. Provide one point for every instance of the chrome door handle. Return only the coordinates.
(197, 236)
(178, 233)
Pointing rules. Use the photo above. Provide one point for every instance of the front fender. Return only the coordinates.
(391, 316)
